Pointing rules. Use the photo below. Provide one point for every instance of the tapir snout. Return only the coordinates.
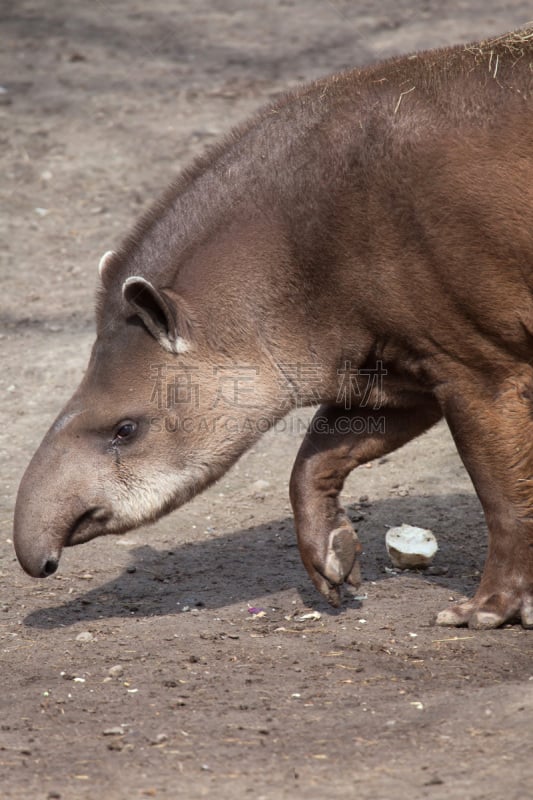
(55, 507)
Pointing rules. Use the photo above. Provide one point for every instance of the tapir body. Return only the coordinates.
(375, 224)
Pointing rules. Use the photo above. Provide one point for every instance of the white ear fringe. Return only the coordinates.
(177, 345)
(104, 261)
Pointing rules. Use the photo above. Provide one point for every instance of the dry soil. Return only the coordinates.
(138, 670)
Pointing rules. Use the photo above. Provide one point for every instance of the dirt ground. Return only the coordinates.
(139, 670)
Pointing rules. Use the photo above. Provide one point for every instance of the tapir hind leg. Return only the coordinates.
(493, 428)
(337, 441)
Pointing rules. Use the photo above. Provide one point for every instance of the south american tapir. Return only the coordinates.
(375, 223)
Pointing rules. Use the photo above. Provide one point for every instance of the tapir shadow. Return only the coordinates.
(264, 560)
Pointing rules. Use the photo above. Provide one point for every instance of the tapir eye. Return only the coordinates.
(125, 431)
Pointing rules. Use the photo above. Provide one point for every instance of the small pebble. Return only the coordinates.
(436, 570)
(85, 636)
(116, 672)
(115, 744)
(118, 730)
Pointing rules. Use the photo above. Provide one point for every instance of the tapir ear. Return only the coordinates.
(159, 311)
(104, 262)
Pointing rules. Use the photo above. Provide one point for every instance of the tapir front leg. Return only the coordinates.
(337, 441)
(493, 429)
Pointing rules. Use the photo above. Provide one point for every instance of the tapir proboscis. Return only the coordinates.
(376, 222)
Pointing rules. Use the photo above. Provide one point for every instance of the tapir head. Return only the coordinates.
(159, 415)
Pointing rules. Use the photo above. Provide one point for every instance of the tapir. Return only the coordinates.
(363, 245)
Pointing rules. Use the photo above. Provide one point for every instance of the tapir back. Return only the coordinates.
(369, 182)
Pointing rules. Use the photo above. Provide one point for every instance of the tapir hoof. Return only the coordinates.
(485, 612)
(340, 565)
